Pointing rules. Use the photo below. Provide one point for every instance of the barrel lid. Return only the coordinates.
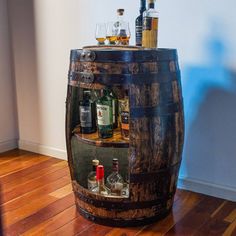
(124, 54)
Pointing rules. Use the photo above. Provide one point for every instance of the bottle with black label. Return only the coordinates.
(150, 26)
(139, 23)
(105, 115)
(124, 116)
(87, 109)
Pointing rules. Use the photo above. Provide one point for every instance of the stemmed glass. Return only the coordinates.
(123, 34)
(100, 33)
(111, 33)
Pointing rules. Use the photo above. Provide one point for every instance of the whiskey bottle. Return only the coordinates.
(100, 188)
(150, 26)
(139, 23)
(105, 115)
(114, 110)
(87, 111)
(92, 181)
(124, 116)
(115, 181)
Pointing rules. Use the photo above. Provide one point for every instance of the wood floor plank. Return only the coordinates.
(36, 193)
(198, 215)
(27, 171)
(53, 223)
(35, 183)
(41, 216)
(96, 230)
(39, 172)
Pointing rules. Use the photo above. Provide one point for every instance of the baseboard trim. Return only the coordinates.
(8, 145)
(215, 190)
(42, 149)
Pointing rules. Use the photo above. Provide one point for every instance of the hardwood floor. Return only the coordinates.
(37, 199)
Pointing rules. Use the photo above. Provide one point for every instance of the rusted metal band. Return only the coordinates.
(154, 176)
(114, 79)
(111, 55)
(156, 204)
(123, 222)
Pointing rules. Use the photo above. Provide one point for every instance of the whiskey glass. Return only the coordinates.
(111, 34)
(123, 34)
(100, 33)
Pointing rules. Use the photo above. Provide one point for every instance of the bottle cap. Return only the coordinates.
(100, 172)
(115, 161)
(151, 1)
(95, 162)
(120, 11)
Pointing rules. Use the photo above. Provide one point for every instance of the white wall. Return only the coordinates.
(8, 119)
(44, 31)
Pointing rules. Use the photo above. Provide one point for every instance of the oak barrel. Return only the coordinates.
(152, 77)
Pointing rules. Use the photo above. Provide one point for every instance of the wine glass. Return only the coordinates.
(100, 33)
(123, 34)
(111, 34)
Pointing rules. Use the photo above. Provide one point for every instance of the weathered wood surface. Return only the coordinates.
(193, 214)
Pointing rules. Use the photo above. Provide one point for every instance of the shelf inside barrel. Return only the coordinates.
(93, 139)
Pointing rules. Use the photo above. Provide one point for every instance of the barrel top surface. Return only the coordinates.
(122, 54)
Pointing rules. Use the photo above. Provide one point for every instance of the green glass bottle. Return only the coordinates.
(115, 110)
(105, 115)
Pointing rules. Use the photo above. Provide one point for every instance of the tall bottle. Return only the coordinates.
(150, 26)
(115, 181)
(105, 115)
(139, 23)
(92, 181)
(114, 109)
(100, 188)
(87, 110)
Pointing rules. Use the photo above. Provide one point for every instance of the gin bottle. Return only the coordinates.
(105, 115)
(92, 181)
(115, 181)
(139, 23)
(100, 188)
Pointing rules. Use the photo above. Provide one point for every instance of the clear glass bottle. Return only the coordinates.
(150, 26)
(100, 188)
(139, 23)
(119, 20)
(115, 181)
(124, 116)
(105, 115)
(92, 181)
(87, 109)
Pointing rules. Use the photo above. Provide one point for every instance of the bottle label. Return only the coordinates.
(139, 29)
(125, 120)
(92, 184)
(85, 116)
(150, 23)
(103, 115)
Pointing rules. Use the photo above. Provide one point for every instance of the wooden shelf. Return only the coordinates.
(93, 139)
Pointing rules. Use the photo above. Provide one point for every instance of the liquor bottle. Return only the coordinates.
(150, 26)
(100, 188)
(92, 181)
(139, 23)
(115, 181)
(105, 115)
(120, 19)
(87, 110)
(114, 110)
(124, 116)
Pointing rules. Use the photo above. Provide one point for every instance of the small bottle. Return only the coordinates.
(124, 116)
(92, 181)
(150, 26)
(87, 110)
(115, 181)
(105, 115)
(100, 188)
(139, 23)
(120, 19)
(114, 110)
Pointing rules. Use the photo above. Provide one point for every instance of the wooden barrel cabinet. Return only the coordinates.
(151, 158)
